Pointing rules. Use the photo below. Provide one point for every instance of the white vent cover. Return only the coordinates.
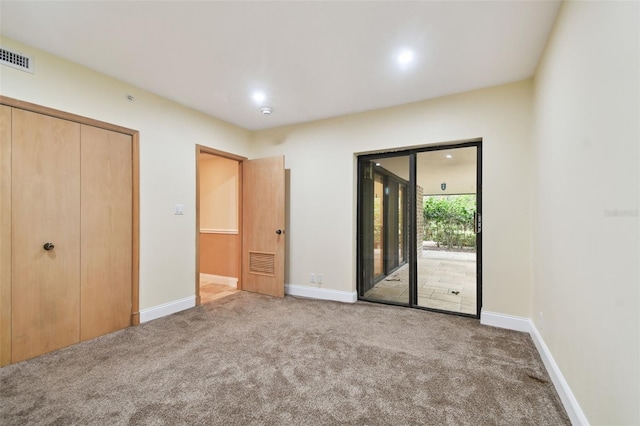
(16, 60)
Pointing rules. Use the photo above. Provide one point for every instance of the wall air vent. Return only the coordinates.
(16, 60)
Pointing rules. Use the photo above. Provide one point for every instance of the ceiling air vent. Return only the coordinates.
(16, 60)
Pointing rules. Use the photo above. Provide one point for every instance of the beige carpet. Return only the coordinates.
(254, 360)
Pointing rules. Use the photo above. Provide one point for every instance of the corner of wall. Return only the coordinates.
(510, 322)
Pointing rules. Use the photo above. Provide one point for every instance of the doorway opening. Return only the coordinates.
(419, 228)
(219, 226)
(240, 218)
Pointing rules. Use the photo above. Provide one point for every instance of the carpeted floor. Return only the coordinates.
(248, 359)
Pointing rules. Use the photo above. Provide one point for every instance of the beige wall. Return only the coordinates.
(219, 180)
(169, 133)
(321, 157)
(219, 238)
(586, 227)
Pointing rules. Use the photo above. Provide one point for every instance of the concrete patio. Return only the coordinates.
(446, 280)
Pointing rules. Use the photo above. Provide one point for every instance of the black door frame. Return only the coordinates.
(412, 259)
(390, 257)
(366, 238)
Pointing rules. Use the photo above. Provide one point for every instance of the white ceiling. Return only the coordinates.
(313, 60)
(456, 167)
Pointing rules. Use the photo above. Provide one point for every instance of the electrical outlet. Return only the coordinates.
(319, 276)
(178, 209)
(313, 278)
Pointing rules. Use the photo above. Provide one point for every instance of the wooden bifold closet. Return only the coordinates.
(69, 229)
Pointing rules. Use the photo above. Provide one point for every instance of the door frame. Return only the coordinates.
(389, 247)
(412, 238)
(201, 149)
(5, 216)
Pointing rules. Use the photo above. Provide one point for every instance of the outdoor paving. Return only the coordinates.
(446, 280)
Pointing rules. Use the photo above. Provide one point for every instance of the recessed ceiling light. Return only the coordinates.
(449, 156)
(405, 57)
(259, 97)
(265, 110)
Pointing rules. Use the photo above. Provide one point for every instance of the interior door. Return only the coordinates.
(106, 223)
(46, 209)
(263, 248)
(5, 235)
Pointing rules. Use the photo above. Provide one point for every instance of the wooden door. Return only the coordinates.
(106, 225)
(263, 232)
(45, 209)
(5, 235)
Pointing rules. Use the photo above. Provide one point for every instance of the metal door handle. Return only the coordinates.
(279, 231)
(477, 222)
(48, 246)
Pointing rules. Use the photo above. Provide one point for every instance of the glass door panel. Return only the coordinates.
(384, 273)
(402, 221)
(446, 259)
(378, 225)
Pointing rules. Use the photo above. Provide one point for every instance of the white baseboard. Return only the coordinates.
(575, 413)
(219, 279)
(509, 322)
(321, 293)
(167, 309)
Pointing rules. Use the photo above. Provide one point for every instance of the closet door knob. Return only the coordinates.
(279, 231)
(48, 246)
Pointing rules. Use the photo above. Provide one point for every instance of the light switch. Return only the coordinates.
(178, 209)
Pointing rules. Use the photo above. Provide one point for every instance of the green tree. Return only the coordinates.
(448, 220)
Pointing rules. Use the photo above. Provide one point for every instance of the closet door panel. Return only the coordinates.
(45, 209)
(106, 223)
(5, 235)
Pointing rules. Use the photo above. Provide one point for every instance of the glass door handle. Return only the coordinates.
(477, 222)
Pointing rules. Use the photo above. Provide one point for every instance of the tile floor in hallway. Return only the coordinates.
(210, 291)
(446, 280)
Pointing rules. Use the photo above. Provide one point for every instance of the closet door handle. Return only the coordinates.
(279, 231)
(48, 246)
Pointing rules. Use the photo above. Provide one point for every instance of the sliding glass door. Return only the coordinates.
(419, 217)
(447, 267)
(384, 225)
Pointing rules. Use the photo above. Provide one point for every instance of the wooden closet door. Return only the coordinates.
(106, 220)
(5, 235)
(45, 192)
